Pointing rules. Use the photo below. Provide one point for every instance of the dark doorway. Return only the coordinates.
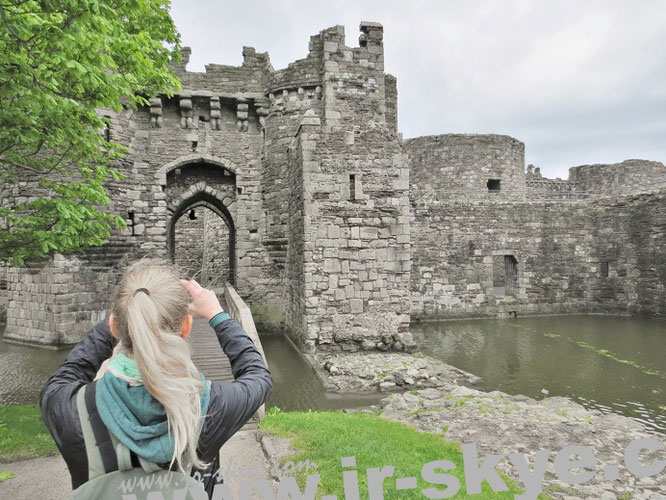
(202, 241)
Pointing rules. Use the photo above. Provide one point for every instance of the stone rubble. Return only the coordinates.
(441, 399)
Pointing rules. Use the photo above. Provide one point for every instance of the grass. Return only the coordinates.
(325, 437)
(5, 475)
(23, 434)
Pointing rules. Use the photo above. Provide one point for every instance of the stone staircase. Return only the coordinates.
(277, 250)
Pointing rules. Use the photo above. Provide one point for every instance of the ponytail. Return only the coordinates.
(150, 308)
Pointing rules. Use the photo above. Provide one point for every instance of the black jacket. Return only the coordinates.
(231, 404)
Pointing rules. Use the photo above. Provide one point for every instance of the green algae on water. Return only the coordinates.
(610, 355)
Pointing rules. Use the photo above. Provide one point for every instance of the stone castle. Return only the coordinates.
(295, 186)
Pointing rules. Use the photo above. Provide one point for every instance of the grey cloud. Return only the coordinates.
(578, 82)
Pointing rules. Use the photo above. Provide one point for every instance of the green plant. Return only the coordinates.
(5, 475)
(61, 62)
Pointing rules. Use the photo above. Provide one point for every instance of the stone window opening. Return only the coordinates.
(194, 145)
(130, 215)
(107, 128)
(239, 190)
(493, 185)
(193, 215)
(605, 266)
(352, 187)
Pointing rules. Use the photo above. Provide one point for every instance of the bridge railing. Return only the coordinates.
(238, 310)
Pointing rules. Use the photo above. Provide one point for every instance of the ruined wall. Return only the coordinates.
(541, 188)
(560, 248)
(3, 294)
(355, 258)
(216, 249)
(459, 166)
(351, 271)
(189, 245)
(56, 301)
(391, 102)
(627, 177)
(291, 92)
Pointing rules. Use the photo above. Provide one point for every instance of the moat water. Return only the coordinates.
(613, 364)
(24, 370)
(608, 363)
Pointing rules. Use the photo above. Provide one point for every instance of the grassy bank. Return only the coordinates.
(23, 434)
(326, 437)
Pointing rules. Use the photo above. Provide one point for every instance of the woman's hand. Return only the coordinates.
(204, 302)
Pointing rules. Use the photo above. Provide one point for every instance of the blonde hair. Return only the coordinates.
(150, 306)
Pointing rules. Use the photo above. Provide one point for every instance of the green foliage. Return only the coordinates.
(61, 63)
(23, 434)
(5, 475)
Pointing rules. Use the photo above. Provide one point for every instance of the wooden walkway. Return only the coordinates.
(207, 354)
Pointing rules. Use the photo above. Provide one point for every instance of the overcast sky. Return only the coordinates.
(577, 81)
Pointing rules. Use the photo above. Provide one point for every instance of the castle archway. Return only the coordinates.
(201, 232)
(202, 240)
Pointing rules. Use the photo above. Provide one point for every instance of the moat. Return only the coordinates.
(608, 363)
(613, 364)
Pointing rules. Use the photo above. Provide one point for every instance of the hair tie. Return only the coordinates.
(144, 290)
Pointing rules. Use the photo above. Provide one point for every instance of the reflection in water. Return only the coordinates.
(24, 371)
(296, 387)
(526, 355)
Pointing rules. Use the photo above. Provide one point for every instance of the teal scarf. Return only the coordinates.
(133, 415)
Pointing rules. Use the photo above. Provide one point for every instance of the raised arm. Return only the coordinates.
(231, 404)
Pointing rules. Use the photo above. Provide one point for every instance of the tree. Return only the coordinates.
(60, 62)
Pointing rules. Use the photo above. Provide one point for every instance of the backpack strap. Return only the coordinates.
(99, 448)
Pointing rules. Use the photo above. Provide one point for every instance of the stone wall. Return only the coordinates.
(355, 258)
(348, 257)
(561, 252)
(189, 244)
(3, 294)
(465, 166)
(553, 189)
(216, 258)
(392, 102)
(627, 177)
(55, 302)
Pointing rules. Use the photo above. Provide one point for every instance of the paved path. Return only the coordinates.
(47, 478)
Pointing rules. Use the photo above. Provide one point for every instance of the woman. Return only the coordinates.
(149, 396)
